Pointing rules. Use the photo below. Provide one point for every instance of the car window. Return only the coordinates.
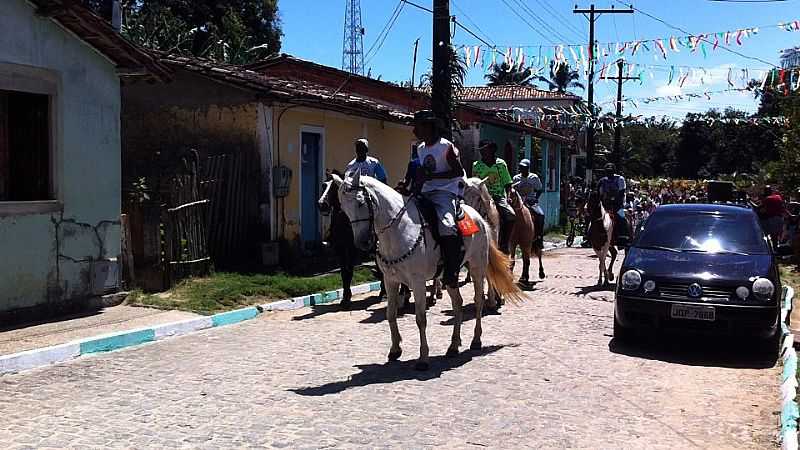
(703, 232)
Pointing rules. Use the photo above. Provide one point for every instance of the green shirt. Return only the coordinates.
(497, 176)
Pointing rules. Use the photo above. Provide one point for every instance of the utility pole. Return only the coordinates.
(617, 128)
(441, 91)
(414, 65)
(593, 14)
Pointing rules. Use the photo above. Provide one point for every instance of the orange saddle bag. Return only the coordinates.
(467, 226)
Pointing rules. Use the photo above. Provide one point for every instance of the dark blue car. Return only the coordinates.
(706, 268)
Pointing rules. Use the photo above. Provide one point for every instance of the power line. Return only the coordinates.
(386, 34)
(463, 13)
(702, 38)
(560, 17)
(539, 20)
(388, 23)
(458, 24)
(527, 23)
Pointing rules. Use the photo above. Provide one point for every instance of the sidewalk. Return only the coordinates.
(80, 326)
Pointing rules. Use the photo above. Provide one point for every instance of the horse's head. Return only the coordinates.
(358, 205)
(329, 200)
(476, 194)
(594, 205)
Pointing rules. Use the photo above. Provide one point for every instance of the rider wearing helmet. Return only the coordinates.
(612, 193)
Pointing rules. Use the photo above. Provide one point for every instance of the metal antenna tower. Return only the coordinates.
(353, 46)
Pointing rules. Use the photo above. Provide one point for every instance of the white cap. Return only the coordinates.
(363, 141)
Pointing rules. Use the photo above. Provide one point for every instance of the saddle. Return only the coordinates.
(466, 225)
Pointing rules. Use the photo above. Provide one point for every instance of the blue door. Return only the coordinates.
(310, 181)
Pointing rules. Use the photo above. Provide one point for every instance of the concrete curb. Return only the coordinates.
(789, 408)
(31, 359)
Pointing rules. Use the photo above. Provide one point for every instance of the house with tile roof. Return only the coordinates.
(61, 68)
(289, 132)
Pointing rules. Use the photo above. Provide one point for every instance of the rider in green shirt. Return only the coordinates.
(498, 181)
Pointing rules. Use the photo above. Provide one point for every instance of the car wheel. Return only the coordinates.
(772, 345)
(621, 333)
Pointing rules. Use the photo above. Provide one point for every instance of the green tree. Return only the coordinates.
(562, 78)
(504, 74)
(234, 31)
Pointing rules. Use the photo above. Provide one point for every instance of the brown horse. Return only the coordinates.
(601, 232)
(524, 235)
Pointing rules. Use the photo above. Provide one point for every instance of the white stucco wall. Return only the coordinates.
(48, 257)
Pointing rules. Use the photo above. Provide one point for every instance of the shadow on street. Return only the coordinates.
(392, 372)
(584, 290)
(693, 350)
(356, 305)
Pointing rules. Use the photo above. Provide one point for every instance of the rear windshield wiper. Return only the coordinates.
(658, 247)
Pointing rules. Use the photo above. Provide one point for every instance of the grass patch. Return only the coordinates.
(228, 291)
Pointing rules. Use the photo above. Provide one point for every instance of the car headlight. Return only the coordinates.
(763, 288)
(742, 292)
(649, 286)
(631, 280)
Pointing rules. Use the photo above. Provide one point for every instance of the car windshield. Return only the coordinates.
(707, 232)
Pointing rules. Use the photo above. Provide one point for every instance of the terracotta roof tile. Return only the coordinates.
(98, 33)
(288, 90)
(511, 92)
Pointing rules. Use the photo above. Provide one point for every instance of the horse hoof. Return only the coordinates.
(394, 356)
(476, 345)
(451, 353)
(422, 366)
(542, 275)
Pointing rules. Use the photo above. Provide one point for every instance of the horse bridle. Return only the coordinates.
(371, 219)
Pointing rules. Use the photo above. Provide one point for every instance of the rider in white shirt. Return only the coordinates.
(367, 164)
(441, 181)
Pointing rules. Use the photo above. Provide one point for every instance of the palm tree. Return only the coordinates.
(504, 75)
(562, 77)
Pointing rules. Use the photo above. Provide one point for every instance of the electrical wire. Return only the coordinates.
(463, 13)
(657, 19)
(540, 21)
(528, 23)
(560, 17)
(373, 50)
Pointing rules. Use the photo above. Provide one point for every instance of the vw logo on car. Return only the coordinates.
(695, 290)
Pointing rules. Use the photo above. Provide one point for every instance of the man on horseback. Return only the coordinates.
(368, 165)
(530, 187)
(440, 178)
(498, 181)
(612, 193)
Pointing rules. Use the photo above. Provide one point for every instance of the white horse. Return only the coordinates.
(477, 195)
(407, 254)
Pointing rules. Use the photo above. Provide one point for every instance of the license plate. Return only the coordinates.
(693, 312)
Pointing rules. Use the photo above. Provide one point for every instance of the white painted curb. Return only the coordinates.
(39, 357)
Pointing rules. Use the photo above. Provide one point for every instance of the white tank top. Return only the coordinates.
(434, 159)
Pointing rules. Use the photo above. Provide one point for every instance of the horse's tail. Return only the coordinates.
(500, 277)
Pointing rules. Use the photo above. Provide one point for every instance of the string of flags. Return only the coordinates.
(579, 55)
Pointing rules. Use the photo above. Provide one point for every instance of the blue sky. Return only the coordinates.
(314, 30)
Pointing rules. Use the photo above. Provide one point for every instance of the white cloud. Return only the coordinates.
(668, 90)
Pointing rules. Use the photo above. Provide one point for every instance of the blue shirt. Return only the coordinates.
(370, 167)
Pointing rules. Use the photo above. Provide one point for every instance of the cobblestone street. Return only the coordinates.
(548, 376)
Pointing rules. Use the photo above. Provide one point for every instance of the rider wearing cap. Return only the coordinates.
(440, 177)
(612, 193)
(495, 171)
(530, 187)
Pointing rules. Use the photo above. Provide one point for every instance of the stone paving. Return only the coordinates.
(548, 376)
